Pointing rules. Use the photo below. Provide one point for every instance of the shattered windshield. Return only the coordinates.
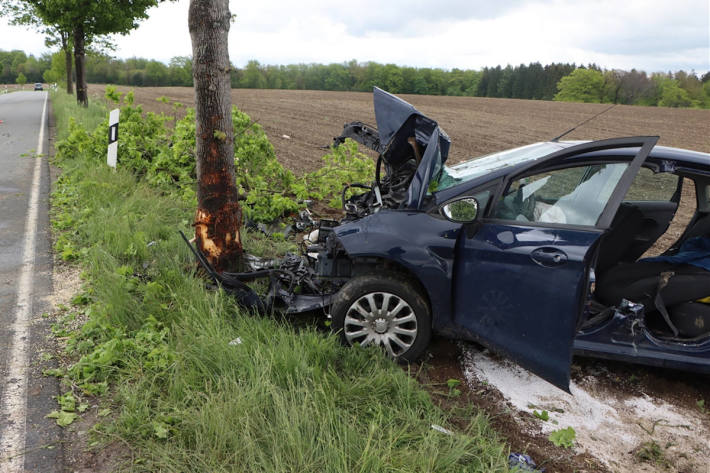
(455, 175)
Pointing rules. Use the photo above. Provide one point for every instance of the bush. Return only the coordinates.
(165, 157)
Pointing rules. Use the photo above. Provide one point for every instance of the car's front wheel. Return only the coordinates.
(384, 310)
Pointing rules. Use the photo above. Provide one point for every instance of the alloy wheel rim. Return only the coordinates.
(383, 319)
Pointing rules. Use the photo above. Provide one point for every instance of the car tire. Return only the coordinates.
(385, 310)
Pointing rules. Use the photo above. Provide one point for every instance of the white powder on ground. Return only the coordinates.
(607, 427)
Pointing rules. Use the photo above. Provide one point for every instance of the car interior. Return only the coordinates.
(674, 292)
(642, 258)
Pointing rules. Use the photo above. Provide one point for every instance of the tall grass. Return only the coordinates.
(66, 108)
(185, 399)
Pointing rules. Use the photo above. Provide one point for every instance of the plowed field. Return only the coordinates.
(310, 120)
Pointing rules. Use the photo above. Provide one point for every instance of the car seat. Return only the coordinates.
(618, 240)
(641, 282)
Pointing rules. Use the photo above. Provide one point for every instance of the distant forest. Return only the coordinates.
(557, 81)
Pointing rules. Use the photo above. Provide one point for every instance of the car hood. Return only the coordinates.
(397, 122)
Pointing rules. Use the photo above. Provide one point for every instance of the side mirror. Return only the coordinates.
(463, 210)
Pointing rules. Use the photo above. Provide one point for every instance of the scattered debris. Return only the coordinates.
(441, 429)
(519, 462)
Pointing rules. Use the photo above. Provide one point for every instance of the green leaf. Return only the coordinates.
(57, 372)
(452, 383)
(67, 402)
(544, 415)
(160, 430)
(63, 418)
(563, 437)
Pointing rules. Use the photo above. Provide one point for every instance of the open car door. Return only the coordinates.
(522, 271)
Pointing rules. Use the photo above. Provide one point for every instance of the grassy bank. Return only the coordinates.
(155, 349)
(66, 109)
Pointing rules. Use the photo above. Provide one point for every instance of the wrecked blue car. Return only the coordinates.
(535, 252)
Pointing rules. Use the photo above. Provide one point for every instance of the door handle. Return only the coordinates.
(548, 256)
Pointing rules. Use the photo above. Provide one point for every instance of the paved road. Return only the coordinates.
(28, 441)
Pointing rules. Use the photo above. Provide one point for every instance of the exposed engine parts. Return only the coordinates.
(307, 281)
(389, 189)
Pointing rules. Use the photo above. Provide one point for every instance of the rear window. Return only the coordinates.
(650, 186)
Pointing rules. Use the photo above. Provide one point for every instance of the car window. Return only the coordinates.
(462, 172)
(650, 186)
(572, 196)
(483, 197)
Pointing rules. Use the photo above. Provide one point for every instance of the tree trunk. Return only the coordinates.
(218, 215)
(79, 55)
(67, 61)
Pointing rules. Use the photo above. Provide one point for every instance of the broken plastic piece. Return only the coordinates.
(520, 462)
(441, 429)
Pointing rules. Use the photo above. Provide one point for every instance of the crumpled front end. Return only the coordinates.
(412, 149)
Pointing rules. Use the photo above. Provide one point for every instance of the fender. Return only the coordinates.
(394, 235)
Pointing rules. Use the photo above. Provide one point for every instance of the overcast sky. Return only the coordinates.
(652, 35)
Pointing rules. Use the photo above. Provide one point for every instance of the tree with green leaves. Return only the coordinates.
(57, 70)
(582, 85)
(21, 79)
(673, 96)
(87, 20)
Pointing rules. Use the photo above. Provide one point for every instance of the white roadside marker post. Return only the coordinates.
(112, 138)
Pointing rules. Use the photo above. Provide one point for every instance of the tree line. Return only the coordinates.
(557, 81)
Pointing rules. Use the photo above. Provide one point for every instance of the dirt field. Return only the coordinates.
(476, 125)
(300, 123)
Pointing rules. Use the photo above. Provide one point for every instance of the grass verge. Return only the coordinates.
(192, 383)
(66, 109)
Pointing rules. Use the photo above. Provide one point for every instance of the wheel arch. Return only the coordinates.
(376, 264)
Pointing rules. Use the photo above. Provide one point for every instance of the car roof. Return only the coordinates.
(681, 158)
(658, 152)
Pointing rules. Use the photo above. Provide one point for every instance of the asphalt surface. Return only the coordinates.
(28, 441)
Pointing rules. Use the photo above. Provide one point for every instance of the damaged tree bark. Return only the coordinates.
(218, 215)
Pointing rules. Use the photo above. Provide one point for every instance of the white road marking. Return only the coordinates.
(15, 391)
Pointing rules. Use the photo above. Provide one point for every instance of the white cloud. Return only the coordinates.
(645, 34)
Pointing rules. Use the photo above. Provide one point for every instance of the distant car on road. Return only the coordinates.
(38, 86)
